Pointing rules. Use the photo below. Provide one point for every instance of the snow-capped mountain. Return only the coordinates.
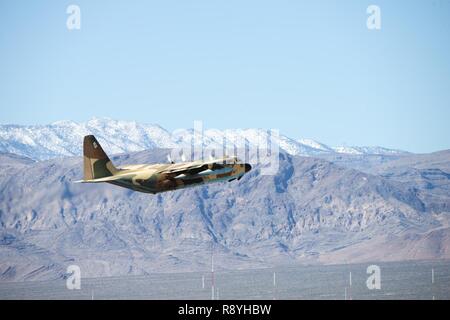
(367, 150)
(63, 138)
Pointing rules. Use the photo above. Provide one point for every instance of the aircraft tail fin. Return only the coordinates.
(96, 162)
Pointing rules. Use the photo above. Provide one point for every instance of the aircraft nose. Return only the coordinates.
(248, 167)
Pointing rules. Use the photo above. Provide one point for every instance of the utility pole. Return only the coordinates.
(212, 272)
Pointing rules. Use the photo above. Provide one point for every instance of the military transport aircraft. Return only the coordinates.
(160, 177)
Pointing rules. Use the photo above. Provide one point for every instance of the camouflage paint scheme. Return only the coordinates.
(156, 178)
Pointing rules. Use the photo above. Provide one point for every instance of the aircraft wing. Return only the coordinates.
(186, 169)
(193, 167)
(107, 179)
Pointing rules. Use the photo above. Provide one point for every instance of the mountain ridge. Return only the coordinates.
(63, 138)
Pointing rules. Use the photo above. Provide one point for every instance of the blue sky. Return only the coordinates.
(309, 68)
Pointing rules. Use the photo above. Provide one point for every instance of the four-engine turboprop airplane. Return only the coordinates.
(160, 177)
